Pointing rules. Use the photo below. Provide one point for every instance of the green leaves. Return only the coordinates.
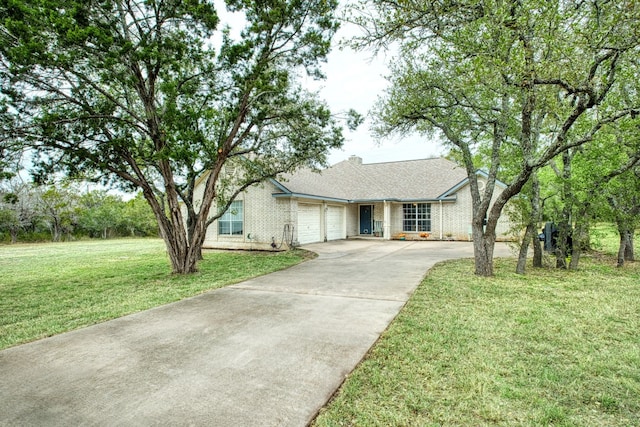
(517, 83)
(102, 73)
(152, 94)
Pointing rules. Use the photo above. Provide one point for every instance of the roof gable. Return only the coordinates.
(480, 173)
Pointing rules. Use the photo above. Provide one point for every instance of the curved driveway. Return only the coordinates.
(266, 352)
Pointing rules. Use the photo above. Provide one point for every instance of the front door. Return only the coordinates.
(366, 219)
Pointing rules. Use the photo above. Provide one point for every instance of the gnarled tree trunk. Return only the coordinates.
(629, 251)
(625, 249)
(579, 239)
(483, 246)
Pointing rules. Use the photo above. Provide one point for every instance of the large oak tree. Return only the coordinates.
(524, 79)
(150, 94)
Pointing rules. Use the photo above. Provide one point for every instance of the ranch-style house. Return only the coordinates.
(426, 199)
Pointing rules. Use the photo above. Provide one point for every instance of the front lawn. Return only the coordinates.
(46, 289)
(553, 347)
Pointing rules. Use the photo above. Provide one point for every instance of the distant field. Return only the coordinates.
(50, 288)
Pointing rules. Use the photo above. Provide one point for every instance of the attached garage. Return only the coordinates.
(309, 218)
(336, 225)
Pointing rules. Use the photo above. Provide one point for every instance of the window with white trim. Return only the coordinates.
(416, 217)
(232, 221)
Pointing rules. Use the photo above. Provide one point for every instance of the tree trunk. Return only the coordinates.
(13, 231)
(563, 244)
(484, 237)
(529, 234)
(622, 248)
(183, 239)
(575, 257)
(629, 251)
(625, 249)
(578, 240)
(183, 258)
(564, 225)
(173, 232)
(537, 252)
(56, 232)
(483, 246)
(184, 249)
(536, 210)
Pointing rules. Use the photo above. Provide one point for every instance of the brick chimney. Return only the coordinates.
(355, 159)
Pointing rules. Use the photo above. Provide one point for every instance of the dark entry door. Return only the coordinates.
(366, 219)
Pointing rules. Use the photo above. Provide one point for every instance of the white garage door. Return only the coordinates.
(308, 223)
(335, 223)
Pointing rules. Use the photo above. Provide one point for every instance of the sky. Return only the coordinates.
(356, 80)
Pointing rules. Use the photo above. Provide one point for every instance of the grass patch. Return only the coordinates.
(553, 347)
(46, 289)
(604, 237)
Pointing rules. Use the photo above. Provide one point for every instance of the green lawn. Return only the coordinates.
(553, 347)
(550, 348)
(46, 289)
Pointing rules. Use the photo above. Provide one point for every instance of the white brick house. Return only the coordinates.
(420, 199)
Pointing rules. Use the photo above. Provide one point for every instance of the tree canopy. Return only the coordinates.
(597, 182)
(523, 81)
(150, 94)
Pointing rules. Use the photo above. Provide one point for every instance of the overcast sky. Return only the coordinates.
(355, 80)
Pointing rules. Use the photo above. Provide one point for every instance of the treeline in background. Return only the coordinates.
(63, 212)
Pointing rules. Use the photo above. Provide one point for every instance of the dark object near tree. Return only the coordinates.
(549, 236)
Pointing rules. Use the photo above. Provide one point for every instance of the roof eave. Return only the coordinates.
(414, 200)
(279, 185)
(309, 196)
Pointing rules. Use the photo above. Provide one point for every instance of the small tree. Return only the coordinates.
(59, 208)
(151, 94)
(595, 183)
(9, 219)
(137, 218)
(99, 213)
(19, 208)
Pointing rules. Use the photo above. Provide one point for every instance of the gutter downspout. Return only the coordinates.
(441, 219)
(325, 214)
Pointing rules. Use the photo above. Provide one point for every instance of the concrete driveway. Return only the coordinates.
(266, 352)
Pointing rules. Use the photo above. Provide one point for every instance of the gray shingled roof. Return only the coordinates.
(352, 180)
